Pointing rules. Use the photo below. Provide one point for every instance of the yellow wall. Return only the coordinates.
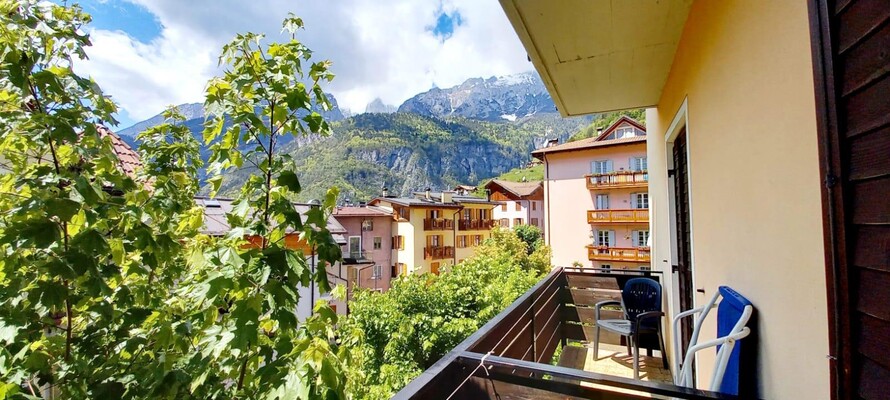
(746, 69)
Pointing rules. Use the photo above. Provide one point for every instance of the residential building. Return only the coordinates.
(768, 133)
(431, 231)
(465, 189)
(522, 203)
(216, 224)
(596, 199)
(368, 252)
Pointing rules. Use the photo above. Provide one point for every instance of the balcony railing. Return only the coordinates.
(434, 224)
(356, 257)
(618, 216)
(606, 253)
(509, 357)
(620, 179)
(438, 253)
(475, 224)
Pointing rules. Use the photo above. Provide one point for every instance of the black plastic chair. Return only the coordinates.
(641, 303)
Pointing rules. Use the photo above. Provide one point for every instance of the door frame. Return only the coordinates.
(680, 123)
(834, 219)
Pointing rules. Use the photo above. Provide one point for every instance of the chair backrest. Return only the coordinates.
(641, 295)
(729, 316)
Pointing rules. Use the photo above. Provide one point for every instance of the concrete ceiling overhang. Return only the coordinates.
(600, 55)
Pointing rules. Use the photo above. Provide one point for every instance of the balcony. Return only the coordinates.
(511, 355)
(438, 253)
(606, 253)
(618, 180)
(475, 224)
(356, 257)
(437, 224)
(639, 215)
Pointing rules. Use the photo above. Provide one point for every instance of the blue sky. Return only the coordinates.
(148, 54)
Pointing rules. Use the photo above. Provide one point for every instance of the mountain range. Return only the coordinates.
(443, 137)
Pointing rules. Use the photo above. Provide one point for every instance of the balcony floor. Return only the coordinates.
(614, 360)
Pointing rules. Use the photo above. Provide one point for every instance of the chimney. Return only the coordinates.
(447, 197)
(362, 204)
(552, 142)
(427, 190)
(488, 194)
(599, 131)
(385, 192)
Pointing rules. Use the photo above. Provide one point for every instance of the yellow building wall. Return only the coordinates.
(745, 70)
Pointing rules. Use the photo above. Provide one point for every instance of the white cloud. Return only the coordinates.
(379, 48)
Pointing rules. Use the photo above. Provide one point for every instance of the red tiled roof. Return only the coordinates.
(588, 143)
(368, 211)
(129, 159)
(520, 189)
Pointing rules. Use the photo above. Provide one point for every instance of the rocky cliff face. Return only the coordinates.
(493, 99)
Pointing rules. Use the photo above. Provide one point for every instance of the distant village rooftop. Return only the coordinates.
(517, 189)
(434, 199)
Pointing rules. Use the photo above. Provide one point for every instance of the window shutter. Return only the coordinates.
(596, 236)
(636, 238)
(611, 238)
(608, 166)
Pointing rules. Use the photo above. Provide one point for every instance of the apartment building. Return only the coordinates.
(596, 199)
(368, 252)
(522, 203)
(431, 231)
(215, 224)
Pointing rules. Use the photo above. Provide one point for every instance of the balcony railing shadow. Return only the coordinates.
(511, 355)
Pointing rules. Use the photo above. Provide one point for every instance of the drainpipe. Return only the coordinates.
(454, 232)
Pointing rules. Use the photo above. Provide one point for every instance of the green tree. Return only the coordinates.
(531, 235)
(422, 317)
(106, 288)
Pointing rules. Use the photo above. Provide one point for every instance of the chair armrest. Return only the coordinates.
(646, 315)
(601, 304)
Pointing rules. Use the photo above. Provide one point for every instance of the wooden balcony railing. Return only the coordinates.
(606, 253)
(475, 224)
(438, 253)
(621, 179)
(432, 224)
(618, 216)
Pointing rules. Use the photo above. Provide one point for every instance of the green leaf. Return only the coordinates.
(62, 208)
(289, 180)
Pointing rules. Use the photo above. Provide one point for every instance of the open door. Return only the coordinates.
(683, 251)
(851, 58)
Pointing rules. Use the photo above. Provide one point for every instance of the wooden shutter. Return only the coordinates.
(611, 238)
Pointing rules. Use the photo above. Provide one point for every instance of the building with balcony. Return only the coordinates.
(522, 203)
(368, 251)
(596, 198)
(431, 231)
(768, 133)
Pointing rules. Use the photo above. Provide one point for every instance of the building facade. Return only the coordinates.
(597, 200)
(432, 231)
(368, 249)
(521, 203)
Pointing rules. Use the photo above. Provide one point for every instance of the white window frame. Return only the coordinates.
(378, 242)
(636, 200)
(599, 204)
(605, 238)
(641, 238)
(601, 166)
(641, 162)
(377, 271)
(351, 254)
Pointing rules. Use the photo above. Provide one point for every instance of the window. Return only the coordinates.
(505, 222)
(462, 241)
(434, 241)
(534, 205)
(355, 246)
(641, 238)
(638, 164)
(467, 214)
(477, 240)
(517, 221)
(626, 132)
(398, 242)
(605, 238)
(640, 200)
(518, 206)
(606, 267)
(433, 214)
(367, 225)
(602, 202)
(378, 272)
(535, 222)
(378, 242)
(601, 167)
(404, 213)
(483, 214)
(333, 307)
(504, 206)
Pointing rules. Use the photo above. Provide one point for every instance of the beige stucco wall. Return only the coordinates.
(746, 69)
(567, 201)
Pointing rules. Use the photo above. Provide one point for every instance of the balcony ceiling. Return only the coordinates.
(600, 55)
